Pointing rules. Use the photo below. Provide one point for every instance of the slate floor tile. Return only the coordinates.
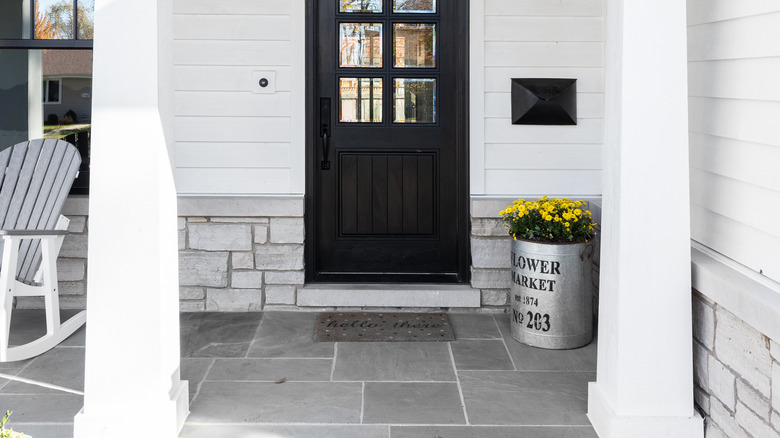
(481, 355)
(412, 403)
(289, 402)
(61, 366)
(526, 398)
(28, 325)
(42, 408)
(213, 334)
(43, 430)
(493, 432)
(473, 326)
(289, 334)
(291, 370)
(393, 361)
(279, 431)
(539, 359)
(194, 370)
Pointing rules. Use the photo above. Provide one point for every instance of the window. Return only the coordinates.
(52, 88)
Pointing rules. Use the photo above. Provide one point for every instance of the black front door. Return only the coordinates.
(388, 195)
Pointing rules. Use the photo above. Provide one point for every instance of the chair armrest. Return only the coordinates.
(33, 234)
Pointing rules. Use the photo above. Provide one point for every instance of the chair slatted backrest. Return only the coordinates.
(36, 179)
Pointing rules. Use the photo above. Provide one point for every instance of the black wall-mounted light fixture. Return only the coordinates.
(544, 101)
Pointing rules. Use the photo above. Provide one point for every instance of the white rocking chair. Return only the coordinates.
(36, 178)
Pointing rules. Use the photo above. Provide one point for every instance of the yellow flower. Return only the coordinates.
(548, 218)
(578, 212)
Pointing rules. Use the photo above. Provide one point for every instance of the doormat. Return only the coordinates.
(383, 327)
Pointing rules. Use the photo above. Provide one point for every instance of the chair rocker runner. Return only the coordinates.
(36, 179)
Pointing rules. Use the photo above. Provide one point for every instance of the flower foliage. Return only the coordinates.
(549, 220)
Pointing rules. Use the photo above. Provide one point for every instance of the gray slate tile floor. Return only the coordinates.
(484, 384)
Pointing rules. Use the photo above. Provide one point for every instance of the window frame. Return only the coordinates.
(46, 100)
(32, 43)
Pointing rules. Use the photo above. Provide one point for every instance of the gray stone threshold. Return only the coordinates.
(388, 295)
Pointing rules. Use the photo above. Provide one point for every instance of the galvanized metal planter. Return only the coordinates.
(552, 305)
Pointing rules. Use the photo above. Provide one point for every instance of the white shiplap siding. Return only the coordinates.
(230, 140)
(537, 39)
(734, 109)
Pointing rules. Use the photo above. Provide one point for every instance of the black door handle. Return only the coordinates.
(325, 132)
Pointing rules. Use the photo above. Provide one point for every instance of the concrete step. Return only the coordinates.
(387, 295)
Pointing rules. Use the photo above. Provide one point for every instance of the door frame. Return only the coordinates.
(463, 216)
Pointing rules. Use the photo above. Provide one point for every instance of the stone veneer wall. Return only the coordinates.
(491, 246)
(736, 373)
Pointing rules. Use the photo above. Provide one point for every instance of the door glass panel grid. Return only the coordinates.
(415, 101)
(414, 44)
(360, 44)
(361, 100)
(414, 6)
(360, 6)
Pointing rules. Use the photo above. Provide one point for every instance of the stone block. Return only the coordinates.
(279, 257)
(702, 399)
(192, 293)
(234, 300)
(242, 260)
(72, 287)
(488, 228)
(712, 431)
(774, 350)
(261, 234)
(722, 383)
(181, 223)
(285, 277)
(74, 246)
(220, 237)
(704, 323)
(198, 268)
(71, 269)
(287, 230)
(489, 208)
(776, 386)
(494, 297)
(753, 400)
(491, 253)
(280, 294)
(246, 280)
(240, 220)
(192, 306)
(743, 349)
(182, 240)
(197, 220)
(491, 278)
(725, 420)
(78, 224)
(754, 425)
(775, 420)
(700, 366)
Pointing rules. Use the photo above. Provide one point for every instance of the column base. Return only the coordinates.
(609, 425)
(133, 421)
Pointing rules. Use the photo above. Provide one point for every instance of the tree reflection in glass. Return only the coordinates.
(414, 100)
(415, 6)
(360, 45)
(374, 6)
(414, 45)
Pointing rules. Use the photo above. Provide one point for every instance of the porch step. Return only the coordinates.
(388, 295)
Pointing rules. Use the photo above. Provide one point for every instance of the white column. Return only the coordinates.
(132, 383)
(644, 385)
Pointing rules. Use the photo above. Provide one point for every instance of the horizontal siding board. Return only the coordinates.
(233, 181)
(753, 121)
(753, 206)
(232, 53)
(227, 155)
(543, 182)
(589, 105)
(734, 39)
(543, 156)
(707, 11)
(231, 27)
(752, 163)
(510, 28)
(237, 7)
(501, 130)
(226, 78)
(589, 80)
(196, 103)
(747, 79)
(746, 245)
(559, 8)
(233, 129)
(544, 54)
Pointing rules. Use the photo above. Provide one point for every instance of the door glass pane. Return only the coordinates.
(414, 45)
(361, 6)
(415, 6)
(360, 45)
(360, 100)
(414, 100)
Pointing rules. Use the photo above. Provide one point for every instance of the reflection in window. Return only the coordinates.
(414, 45)
(54, 19)
(360, 100)
(361, 6)
(360, 45)
(51, 91)
(414, 101)
(414, 6)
